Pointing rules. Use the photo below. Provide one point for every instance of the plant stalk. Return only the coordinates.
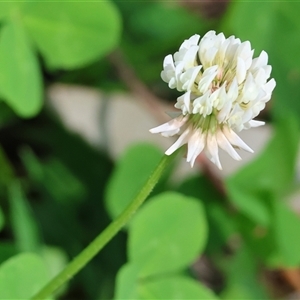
(106, 235)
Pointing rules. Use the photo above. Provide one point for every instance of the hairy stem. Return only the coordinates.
(105, 236)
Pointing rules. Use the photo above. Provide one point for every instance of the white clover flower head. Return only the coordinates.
(224, 89)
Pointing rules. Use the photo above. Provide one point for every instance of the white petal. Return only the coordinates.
(267, 70)
(184, 103)
(220, 39)
(222, 51)
(169, 72)
(233, 90)
(235, 140)
(260, 76)
(168, 61)
(209, 56)
(189, 57)
(170, 132)
(226, 146)
(196, 144)
(268, 89)
(203, 105)
(178, 71)
(207, 78)
(245, 53)
(219, 97)
(212, 148)
(240, 70)
(255, 123)
(249, 114)
(169, 126)
(194, 39)
(260, 61)
(188, 78)
(232, 48)
(224, 112)
(270, 85)
(180, 141)
(206, 44)
(250, 89)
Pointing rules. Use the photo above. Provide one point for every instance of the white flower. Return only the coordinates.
(224, 89)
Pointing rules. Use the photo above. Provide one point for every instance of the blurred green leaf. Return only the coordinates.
(71, 225)
(271, 174)
(242, 278)
(274, 26)
(200, 187)
(131, 172)
(6, 171)
(219, 217)
(286, 223)
(129, 286)
(20, 78)
(175, 287)
(7, 116)
(180, 21)
(55, 177)
(2, 219)
(70, 35)
(271, 22)
(258, 239)
(21, 276)
(54, 258)
(250, 200)
(127, 283)
(154, 29)
(160, 234)
(6, 8)
(7, 250)
(222, 226)
(24, 227)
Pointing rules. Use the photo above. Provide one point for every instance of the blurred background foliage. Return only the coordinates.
(238, 239)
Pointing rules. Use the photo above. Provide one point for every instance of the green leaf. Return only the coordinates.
(54, 258)
(271, 22)
(127, 282)
(258, 239)
(181, 21)
(270, 175)
(72, 34)
(219, 217)
(21, 276)
(242, 278)
(160, 234)
(20, 78)
(285, 224)
(7, 250)
(2, 219)
(6, 170)
(274, 26)
(175, 287)
(131, 172)
(202, 188)
(55, 177)
(24, 227)
(129, 286)
(250, 200)
(6, 8)
(153, 42)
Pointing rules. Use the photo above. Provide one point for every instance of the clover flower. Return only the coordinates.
(224, 89)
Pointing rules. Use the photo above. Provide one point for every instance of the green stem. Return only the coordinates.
(105, 236)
